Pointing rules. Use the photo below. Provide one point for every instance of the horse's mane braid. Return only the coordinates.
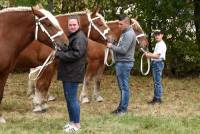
(15, 9)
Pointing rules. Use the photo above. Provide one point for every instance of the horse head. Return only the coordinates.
(48, 29)
(99, 29)
(141, 38)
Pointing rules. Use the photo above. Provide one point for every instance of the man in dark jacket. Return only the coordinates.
(71, 70)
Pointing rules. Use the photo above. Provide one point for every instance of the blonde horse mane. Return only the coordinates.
(15, 9)
(135, 24)
(74, 13)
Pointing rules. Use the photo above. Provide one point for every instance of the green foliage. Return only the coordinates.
(175, 18)
(183, 59)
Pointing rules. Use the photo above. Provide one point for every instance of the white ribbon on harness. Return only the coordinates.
(35, 72)
(39, 24)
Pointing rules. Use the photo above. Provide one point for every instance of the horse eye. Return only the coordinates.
(47, 23)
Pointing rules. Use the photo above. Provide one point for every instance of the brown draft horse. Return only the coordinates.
(40, 52)
(18, 28)
(95, 66)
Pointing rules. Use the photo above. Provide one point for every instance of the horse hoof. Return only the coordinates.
(2, 120)
(45, 107)
(51, 98)
(31, 97)
(38, 109)
(99, 99)
(85, 100)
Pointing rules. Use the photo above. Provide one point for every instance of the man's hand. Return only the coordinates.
(146, 54)
(109, 45)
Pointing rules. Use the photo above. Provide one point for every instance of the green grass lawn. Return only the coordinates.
(179, 114)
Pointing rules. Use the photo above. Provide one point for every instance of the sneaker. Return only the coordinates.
(66, 125)
(71, 128)
(154, 101)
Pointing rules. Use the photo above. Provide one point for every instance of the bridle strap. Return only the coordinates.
(106, 52)
(138, 36)
(95, 27)
(39, 24)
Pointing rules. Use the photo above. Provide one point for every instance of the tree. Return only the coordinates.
(197, 21)
(50, 5)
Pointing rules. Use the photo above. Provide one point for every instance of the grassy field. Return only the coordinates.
(179, 114)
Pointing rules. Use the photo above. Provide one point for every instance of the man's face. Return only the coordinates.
(122, 25)
(73, 25)
(158, 37)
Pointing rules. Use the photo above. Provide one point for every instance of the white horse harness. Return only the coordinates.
(35, 72)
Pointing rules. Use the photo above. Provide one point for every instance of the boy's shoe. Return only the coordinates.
(154, 101)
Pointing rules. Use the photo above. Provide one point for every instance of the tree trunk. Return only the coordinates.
(50, 5)
(197, 21)
(64, 8)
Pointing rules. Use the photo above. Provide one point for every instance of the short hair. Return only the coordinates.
(74, 17)
(158, 31)
(124, 17)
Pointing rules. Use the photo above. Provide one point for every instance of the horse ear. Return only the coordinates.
(38, 6)
(133, 20)
(95, 11)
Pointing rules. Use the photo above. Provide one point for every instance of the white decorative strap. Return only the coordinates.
(95, 27)
(141, 63)
(138, 36)
(59, 33)
(35, 72)
(39, 24)
(106, 51)
(36, 27)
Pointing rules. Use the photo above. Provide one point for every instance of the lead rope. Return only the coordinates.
(106, 52)
(35, 72)
(141, 63)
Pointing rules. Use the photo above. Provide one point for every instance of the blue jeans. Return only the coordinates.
(123, 70)
(157, 68)
(73, 107)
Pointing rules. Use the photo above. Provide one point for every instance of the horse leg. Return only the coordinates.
(31, 88)
(97, 79)
(41, 92)
(83, 95)
(2, 84)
